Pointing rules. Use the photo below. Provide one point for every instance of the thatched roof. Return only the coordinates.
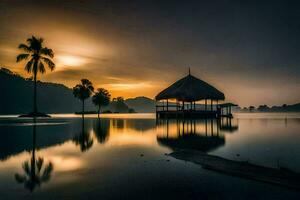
(189, 89)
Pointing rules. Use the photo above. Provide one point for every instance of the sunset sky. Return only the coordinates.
(250, 51)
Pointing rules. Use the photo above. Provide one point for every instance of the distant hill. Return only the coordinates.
(141, 104)
(266, 108)
(283, 108)
(16, 94)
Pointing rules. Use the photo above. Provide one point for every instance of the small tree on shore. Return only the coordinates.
(101, 98)
(83, 91)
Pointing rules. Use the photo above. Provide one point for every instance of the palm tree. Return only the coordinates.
(101, 98)
(39, 57)
(83, 91)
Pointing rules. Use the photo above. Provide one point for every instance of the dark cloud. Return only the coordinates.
(239, 46)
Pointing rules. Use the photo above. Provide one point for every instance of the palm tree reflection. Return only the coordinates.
(101, 129)
(84, 139)
(34, 172)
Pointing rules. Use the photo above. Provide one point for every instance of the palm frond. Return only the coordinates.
(20, 178)
(41, 40)
(22, 56)
(25, 47)
(41, 68)
(49, 62)
(91, 88)
(47, 173)
(26, 167)
(47, 52)
(39, 164)
(28, 66)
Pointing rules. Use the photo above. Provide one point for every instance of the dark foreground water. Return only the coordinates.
(125, 156)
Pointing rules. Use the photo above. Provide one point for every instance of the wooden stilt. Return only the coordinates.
(167, 104)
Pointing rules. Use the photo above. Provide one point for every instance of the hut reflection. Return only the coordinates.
(36, 171)
(203, 135)
(228, 124)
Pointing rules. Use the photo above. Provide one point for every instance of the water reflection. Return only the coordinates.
(228, 125)
(101, 128)
(204, 135)
(113, 148)
(36, 171)
(84, 139)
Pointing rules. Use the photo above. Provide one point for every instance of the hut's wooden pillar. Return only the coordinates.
(167, 104)
(191, 104)
(205, 104)
(194, 105)
(217, 108)
(211, 105)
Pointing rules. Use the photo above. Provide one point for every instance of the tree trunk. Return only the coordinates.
(99, 112)
(82, 109)
(35, 89)
(33, 150)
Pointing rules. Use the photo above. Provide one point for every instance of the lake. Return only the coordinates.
(126, 156)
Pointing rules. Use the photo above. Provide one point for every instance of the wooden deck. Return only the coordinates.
(191, 111)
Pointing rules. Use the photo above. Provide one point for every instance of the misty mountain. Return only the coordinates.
(141, 104)
(17, 96)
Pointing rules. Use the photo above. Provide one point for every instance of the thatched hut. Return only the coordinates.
(186, 92)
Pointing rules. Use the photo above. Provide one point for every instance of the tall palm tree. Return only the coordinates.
(39, 57)
(83, 91)
(101, 98)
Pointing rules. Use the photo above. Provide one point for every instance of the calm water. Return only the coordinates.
(125, 156)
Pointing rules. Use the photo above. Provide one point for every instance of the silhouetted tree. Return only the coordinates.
(39, 57)
(101, 98)
(251, 108)
(118, 105)
(83, 91)
(263, 108)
